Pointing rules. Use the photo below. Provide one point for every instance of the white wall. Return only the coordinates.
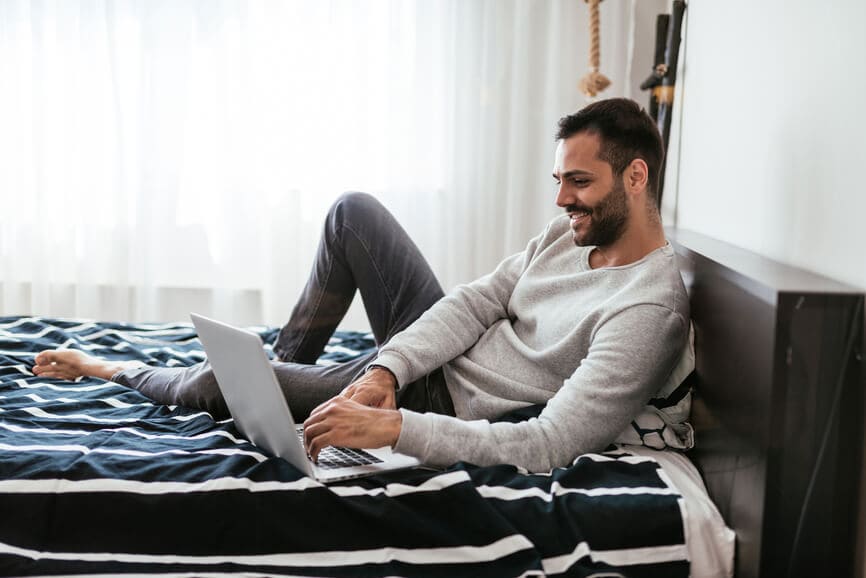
(773, 148)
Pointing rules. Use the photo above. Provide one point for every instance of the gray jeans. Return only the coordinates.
(362, 248)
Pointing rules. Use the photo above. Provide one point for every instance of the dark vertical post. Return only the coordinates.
(662, 21)
(664, 92)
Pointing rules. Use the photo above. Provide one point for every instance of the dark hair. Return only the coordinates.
(626, 132)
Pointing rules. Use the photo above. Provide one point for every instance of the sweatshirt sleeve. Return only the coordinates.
(455, 322)
(631, 355)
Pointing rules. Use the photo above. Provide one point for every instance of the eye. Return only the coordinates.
(580, 182)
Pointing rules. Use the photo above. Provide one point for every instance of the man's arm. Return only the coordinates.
(630, 358)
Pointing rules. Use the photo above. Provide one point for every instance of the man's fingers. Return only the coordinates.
(316, 446)
(346, 423)
(313, 448)
(311, 431)
(321, 436)
(317, 431)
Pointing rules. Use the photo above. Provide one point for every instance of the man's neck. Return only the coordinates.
(633, 245)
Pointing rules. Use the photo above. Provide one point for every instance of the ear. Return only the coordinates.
(636, 176)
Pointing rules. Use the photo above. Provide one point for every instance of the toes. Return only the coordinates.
(49, 364)
(54, 372)
(48, 357)
(44, 370)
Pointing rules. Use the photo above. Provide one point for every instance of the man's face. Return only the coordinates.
(589, 192)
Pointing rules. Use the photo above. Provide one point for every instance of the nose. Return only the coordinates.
(564, 197)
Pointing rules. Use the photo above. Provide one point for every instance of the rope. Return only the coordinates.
(594, 82)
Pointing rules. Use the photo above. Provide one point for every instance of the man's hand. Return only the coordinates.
(375, 389)
(343, 422)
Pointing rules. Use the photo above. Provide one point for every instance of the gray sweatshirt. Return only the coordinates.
(594, 345)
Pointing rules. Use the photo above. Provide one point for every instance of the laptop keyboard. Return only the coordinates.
(333, 457)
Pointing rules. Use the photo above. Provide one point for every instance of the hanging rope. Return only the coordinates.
(594, 82)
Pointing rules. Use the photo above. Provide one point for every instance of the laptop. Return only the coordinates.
(254, 398)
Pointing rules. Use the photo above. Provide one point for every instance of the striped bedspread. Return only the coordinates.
(96, 479)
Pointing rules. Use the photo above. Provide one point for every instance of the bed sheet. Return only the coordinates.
(710, 542)
(97, 479)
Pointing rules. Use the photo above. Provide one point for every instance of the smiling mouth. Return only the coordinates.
(577, 216)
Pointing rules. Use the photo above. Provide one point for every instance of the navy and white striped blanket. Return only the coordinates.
(96, 479)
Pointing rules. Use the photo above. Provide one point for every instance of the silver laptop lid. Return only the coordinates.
(249, 386)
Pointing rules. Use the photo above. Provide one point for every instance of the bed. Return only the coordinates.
(97, 480)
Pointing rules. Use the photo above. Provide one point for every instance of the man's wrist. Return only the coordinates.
(384, 371)
(396, 427)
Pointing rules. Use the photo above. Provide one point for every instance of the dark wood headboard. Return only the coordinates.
(778, 408)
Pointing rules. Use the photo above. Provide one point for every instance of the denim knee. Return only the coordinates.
(354, 206)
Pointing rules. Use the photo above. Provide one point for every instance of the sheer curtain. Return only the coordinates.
(163, 156)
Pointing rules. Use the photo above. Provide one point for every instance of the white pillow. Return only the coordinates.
(664, 421)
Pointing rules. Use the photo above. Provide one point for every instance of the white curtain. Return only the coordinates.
(163, 156)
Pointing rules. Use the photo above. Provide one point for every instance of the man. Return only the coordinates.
(589, 320)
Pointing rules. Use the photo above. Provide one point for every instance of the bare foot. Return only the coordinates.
(72, 364)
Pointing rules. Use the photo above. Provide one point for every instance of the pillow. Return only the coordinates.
(664, 421)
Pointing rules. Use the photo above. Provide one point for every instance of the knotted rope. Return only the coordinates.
(594, 82)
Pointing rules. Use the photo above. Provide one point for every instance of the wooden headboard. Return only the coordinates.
(778, 408)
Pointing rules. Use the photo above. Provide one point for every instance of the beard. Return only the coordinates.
(608, 219)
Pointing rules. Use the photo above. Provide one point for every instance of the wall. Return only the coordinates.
(773, 130)
(772, 153)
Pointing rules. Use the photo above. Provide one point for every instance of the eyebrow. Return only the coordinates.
(573, 173)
